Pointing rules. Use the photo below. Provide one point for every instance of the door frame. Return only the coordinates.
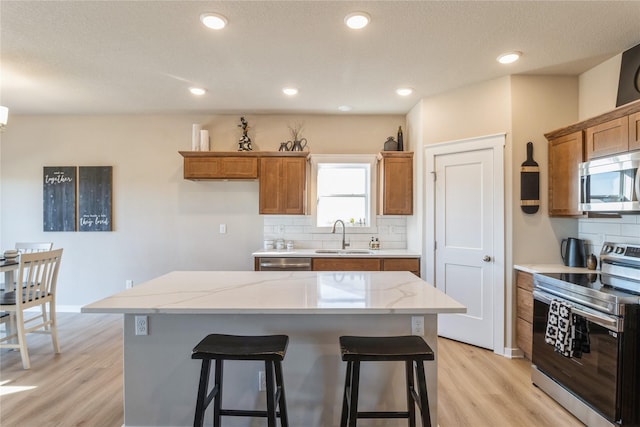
(496, 142)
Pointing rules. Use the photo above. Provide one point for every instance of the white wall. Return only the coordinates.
(161, 222)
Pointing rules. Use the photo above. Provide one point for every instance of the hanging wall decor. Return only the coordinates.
(59, 198)
(529, 183)
(629, 81)
(94, 198)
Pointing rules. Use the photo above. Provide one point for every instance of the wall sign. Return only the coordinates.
(59, 198)
(77, 198)
(94, 198)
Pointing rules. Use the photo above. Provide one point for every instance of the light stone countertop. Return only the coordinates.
(267, 292)
(349, 252)
(551, 268)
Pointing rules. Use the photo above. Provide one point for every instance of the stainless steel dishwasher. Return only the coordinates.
(284, 264)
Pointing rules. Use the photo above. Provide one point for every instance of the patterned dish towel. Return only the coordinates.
(560, 327)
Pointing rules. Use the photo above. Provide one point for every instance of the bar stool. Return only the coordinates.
(412, 350)
(270, 349)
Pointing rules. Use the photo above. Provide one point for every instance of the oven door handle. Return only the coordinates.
(611, 323)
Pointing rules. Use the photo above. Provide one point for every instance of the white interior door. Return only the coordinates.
(468, 252)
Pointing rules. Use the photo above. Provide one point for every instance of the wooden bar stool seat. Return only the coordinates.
(218, 347)
(412, 350)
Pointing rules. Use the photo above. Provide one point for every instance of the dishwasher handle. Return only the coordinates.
(285, 264)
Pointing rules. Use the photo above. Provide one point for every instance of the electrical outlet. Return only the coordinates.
(417, 325)
(223, 228)
(128, 284)
(142, 325)
(262, 381)
(281, 228)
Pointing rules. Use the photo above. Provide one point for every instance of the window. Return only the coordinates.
(343, 190)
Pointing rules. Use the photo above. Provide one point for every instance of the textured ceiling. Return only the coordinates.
(86, 57)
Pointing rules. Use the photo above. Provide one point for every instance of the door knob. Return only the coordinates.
(486, 258)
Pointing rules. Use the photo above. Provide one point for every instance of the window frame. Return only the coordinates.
(370, 159)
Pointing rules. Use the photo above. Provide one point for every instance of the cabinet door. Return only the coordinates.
(565, 154)
(220, 168)
(396, 184)
(524, 311)
(634, 131)
(282, 185)
(346, 264)
(608, 138)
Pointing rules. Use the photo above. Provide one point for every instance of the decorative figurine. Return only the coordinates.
(244, 144)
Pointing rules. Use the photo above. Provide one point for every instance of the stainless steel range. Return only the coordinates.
(586, 338)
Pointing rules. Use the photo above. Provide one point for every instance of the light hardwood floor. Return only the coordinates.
(82, 386)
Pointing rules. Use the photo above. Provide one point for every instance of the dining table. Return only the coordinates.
(8, 266)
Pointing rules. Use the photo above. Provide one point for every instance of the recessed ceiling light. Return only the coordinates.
(357, 20)
(198, 91)
(345, 108)
(213, 21)
(404, 91)
(290, 91)
(509, 57)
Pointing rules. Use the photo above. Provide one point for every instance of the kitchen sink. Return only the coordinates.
(344, 251)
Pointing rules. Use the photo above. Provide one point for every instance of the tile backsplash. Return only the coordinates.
(391, 231)
(599, 230)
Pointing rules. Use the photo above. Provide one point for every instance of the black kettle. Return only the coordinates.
(573, 252)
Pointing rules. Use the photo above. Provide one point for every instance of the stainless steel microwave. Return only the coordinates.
(611, 184)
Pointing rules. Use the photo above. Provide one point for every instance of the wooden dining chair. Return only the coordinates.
(38, 273)
(29, 247)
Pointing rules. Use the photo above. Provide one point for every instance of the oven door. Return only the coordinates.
(593, 377)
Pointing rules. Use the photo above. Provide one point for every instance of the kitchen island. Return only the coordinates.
(313, 308)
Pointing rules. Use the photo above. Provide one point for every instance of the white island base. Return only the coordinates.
(313, 309)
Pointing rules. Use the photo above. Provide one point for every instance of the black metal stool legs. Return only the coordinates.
(203, 386)
(217, 402)
(280, 395)
(422, 391)
(411, 407)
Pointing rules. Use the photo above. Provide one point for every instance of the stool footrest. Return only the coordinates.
(388, 414)
(245, 413)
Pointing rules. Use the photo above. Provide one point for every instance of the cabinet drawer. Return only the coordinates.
(524, 336)
(346, 264)
(524, 280)
(525, 304)
(402, 264)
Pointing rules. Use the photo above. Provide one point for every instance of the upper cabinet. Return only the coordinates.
(634, 131)
(282, 175)
(395, 183)
(283, 184)
(607, 138)
(617, 131)
(565, 155)
(200, 165)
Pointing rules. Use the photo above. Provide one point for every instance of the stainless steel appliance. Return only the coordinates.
(284, 264)
(611, 184)
(600, 382)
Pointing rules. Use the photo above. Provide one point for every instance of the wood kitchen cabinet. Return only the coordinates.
(565, 155)
(283, 182)
(604, 139)
(395, 183)
(524, 312)
(366, 264)
(203, 165)
(634, 132)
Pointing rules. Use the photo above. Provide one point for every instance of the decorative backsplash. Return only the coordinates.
(599, 230)
(391, 232)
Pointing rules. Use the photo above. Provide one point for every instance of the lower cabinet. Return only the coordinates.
(366, 264)
(524, 312)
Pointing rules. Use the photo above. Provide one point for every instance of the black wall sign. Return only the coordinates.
(59, 198)
(94, 198)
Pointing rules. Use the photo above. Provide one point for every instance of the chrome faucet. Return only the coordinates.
(344, 244)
